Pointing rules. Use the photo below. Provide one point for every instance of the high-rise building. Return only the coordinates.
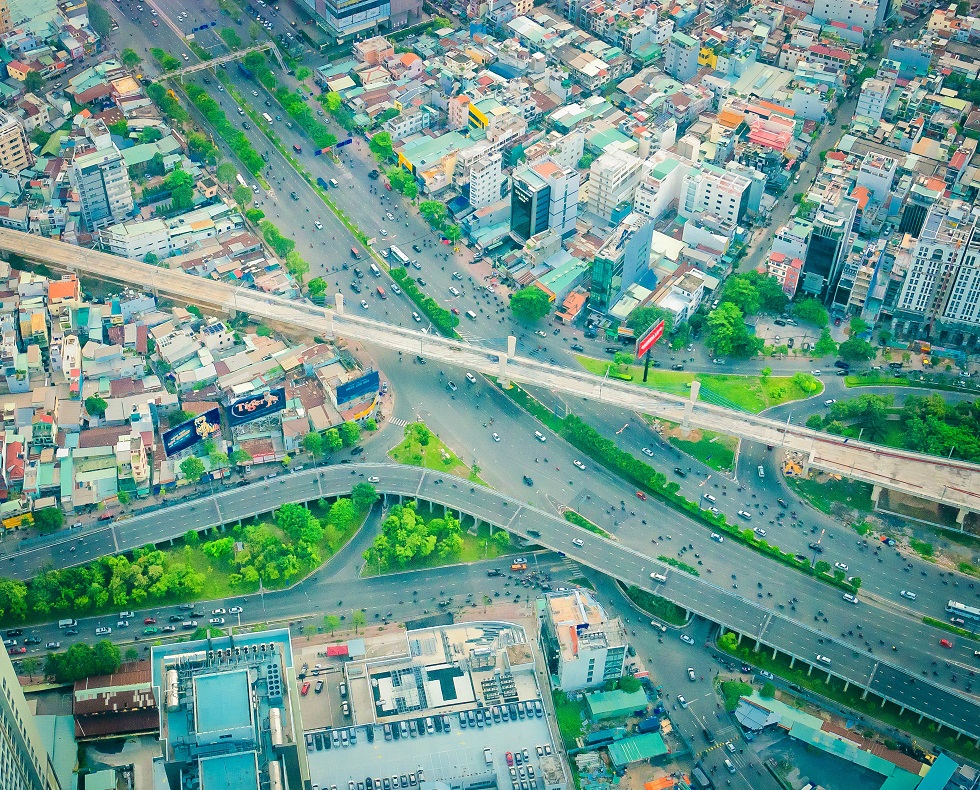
(544, 196)
(24, 763)
(940, 296)
(681, 58)
(612, 183)
(707, 189)
(5, 25)
(485, 181)
(102, 182)
(15, 148)
(621, 261)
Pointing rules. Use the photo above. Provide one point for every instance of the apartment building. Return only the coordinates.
(681, 58)
(544, 196)
(15, 148)
(612, 183)
(102, 182)
(486, 178)
(707, 189)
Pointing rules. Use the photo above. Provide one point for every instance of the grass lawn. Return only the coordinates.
(825, 493)
(882, 379)
(716, 450)
(748, 393)
(432, 455)
(834, 689)
(655, 605)
(476, 548)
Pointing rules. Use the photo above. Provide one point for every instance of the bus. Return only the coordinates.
(399, 256)
(355, 253)
(961, 610)
(381, 292)
(267, 118)
(240, 179)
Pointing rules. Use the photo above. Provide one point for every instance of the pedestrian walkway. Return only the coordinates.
(398, 421)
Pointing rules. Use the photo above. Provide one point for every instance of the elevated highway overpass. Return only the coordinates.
(949, 482)
(756, 622)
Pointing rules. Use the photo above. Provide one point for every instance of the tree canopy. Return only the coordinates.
(727, 333)
(811, 311)
(530, 304)
(406, 536)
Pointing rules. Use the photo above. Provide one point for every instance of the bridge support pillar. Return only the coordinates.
(961, 515)
(806, 464)
(758, 644)
(847, 685)
(876, 494)
(864, 694)
(901, 711)
(502, 372)
(330, 330)
(792, 661)
(338, 300)
(882, 702)
(809, 670)
(739, 639)
(774, 654)
(689, 405)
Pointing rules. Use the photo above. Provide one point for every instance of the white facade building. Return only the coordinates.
(485, 180)
(590, 647)
(866, 14)
(873, 97)
(24, 763)
(612, 181)
(102, 182)
(707, 189)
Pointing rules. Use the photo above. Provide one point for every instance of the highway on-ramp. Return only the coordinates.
(894, 677)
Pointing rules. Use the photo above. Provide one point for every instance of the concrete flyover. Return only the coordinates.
(948, 482)
(893, 680)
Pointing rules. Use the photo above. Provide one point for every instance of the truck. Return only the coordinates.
(381, 292)
(244, 71)
(321, 182)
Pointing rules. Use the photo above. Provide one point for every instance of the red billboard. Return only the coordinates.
(649, 338)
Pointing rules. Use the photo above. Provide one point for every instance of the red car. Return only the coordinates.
(17, 651)
(306, 688)
(945, 643)
(510, 758)
(640, 495)
(150, 621)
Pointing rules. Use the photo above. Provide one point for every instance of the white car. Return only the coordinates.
(471, 378)
(496, 437)
(745, 514)
(686, 639)
(766, 674)
(235, 610)
(841, 566)
(374, 479)
(760, 532)
(578, 542)
(417, 318)
(317, 224)
(909, 594)
(122, 624)
(217, 621)
(816, 372)
(389, 215)
(383, 232)
(682, 701)
(830, 401)
(219, 611)
(579, 464)
(255, 93)
(647, 452)
(364, 304)
(540, 333)
(716, 537)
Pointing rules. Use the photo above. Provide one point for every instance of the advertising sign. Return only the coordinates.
(358, 388)
(255, 406)
(649, 338)
(187, 434)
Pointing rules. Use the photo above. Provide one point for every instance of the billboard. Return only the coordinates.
(358, 388)
(255, 406)
(187, 434)
(649, 338)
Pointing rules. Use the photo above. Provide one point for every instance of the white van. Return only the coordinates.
(540, 436)
(658, 577)
(762, 471)
(454, 290)
(68, 623)
(375, 270)
(730, 766)
(471, 315)
(333, 183)
(850, 598)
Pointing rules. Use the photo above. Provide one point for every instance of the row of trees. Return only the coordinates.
(167, 102)
(441, 318)
(346, 435)
(285, 248)
(81, 661)
(436, 214)
(167, 61)
(235, 138)
(334, 104)
(297, 109)
(406, 537)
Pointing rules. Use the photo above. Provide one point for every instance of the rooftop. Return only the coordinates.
(235, 709)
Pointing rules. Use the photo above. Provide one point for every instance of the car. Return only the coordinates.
(578, 542)
(374, 175)
(578, 464)
(169, 629)
(383, 232)
(679, 472)
(417, 248)
(641, 495)
(760, 532)
(817, 372)
(420, 359)
(946, 643)
(235, 610)
(745, 514)
(717, 362)
(763, 673)
(71, 632)
(416, 317)
(306, 688)
(953, 620)
(510, 758)
(730, 747)
(122, 624)
(149, 621)
(420, 281)
(816, 547)
(830, 401)
(528, 481)
(540, 333)
(150, 630)
(36, 640)
(374, 479)
(219, 611)
(103, 630)
(577, 347)
(52, 645)
(841, 566)
(683, 702)
(692, 676)
(319, 687)
(126, 615)
(217, 621)
(17, 651)
(709, 497)
(364, 304)
(717, 538)
(317, 224)
(495, 436)
(471, 378)
(823, 659)
(451, 386)
(687, 639)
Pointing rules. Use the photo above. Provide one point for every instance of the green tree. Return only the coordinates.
(33, 82)
(286, 461)
(814, 422)
(317, 286)
(332, 622)
(230, 36)
(240, 458)
(806, 383)
(451, 231)
(333, 101)
(303, 73)
(727, 333)
(123, 498)
(31, 665)
(130, 59)
(768, 690)
(181, 186)
(151, 258)
(99, 20)
(332, 440)
(227, 173)
(49, 519)
(858, 326)
(342, 513)
(643, 318)
(218, 459)
(242, 195)
(530, 304)
(434, 211)
(191, 538)
(825, 346)
(766, 372)
(623, 359)
(358, 619)
(364, 495)
(254, 31)
(192, 468)
(151, 134)
(350, 433)
(178, 416)
(381, 147)
(313, 443)
(740, 291)
(856, 350)
(811, 311)
(629, 684)
(120, 127)
(96, 406)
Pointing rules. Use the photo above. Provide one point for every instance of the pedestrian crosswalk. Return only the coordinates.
(398, 421)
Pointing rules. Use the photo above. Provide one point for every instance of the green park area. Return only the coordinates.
(827, 494)
(276, 549)
(414, 538)
(716, 450)
(421, 447)
(833, 688)
(745, 393)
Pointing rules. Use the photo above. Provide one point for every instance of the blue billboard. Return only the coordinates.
(358, 388)
(187, 434)
(254, 406)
